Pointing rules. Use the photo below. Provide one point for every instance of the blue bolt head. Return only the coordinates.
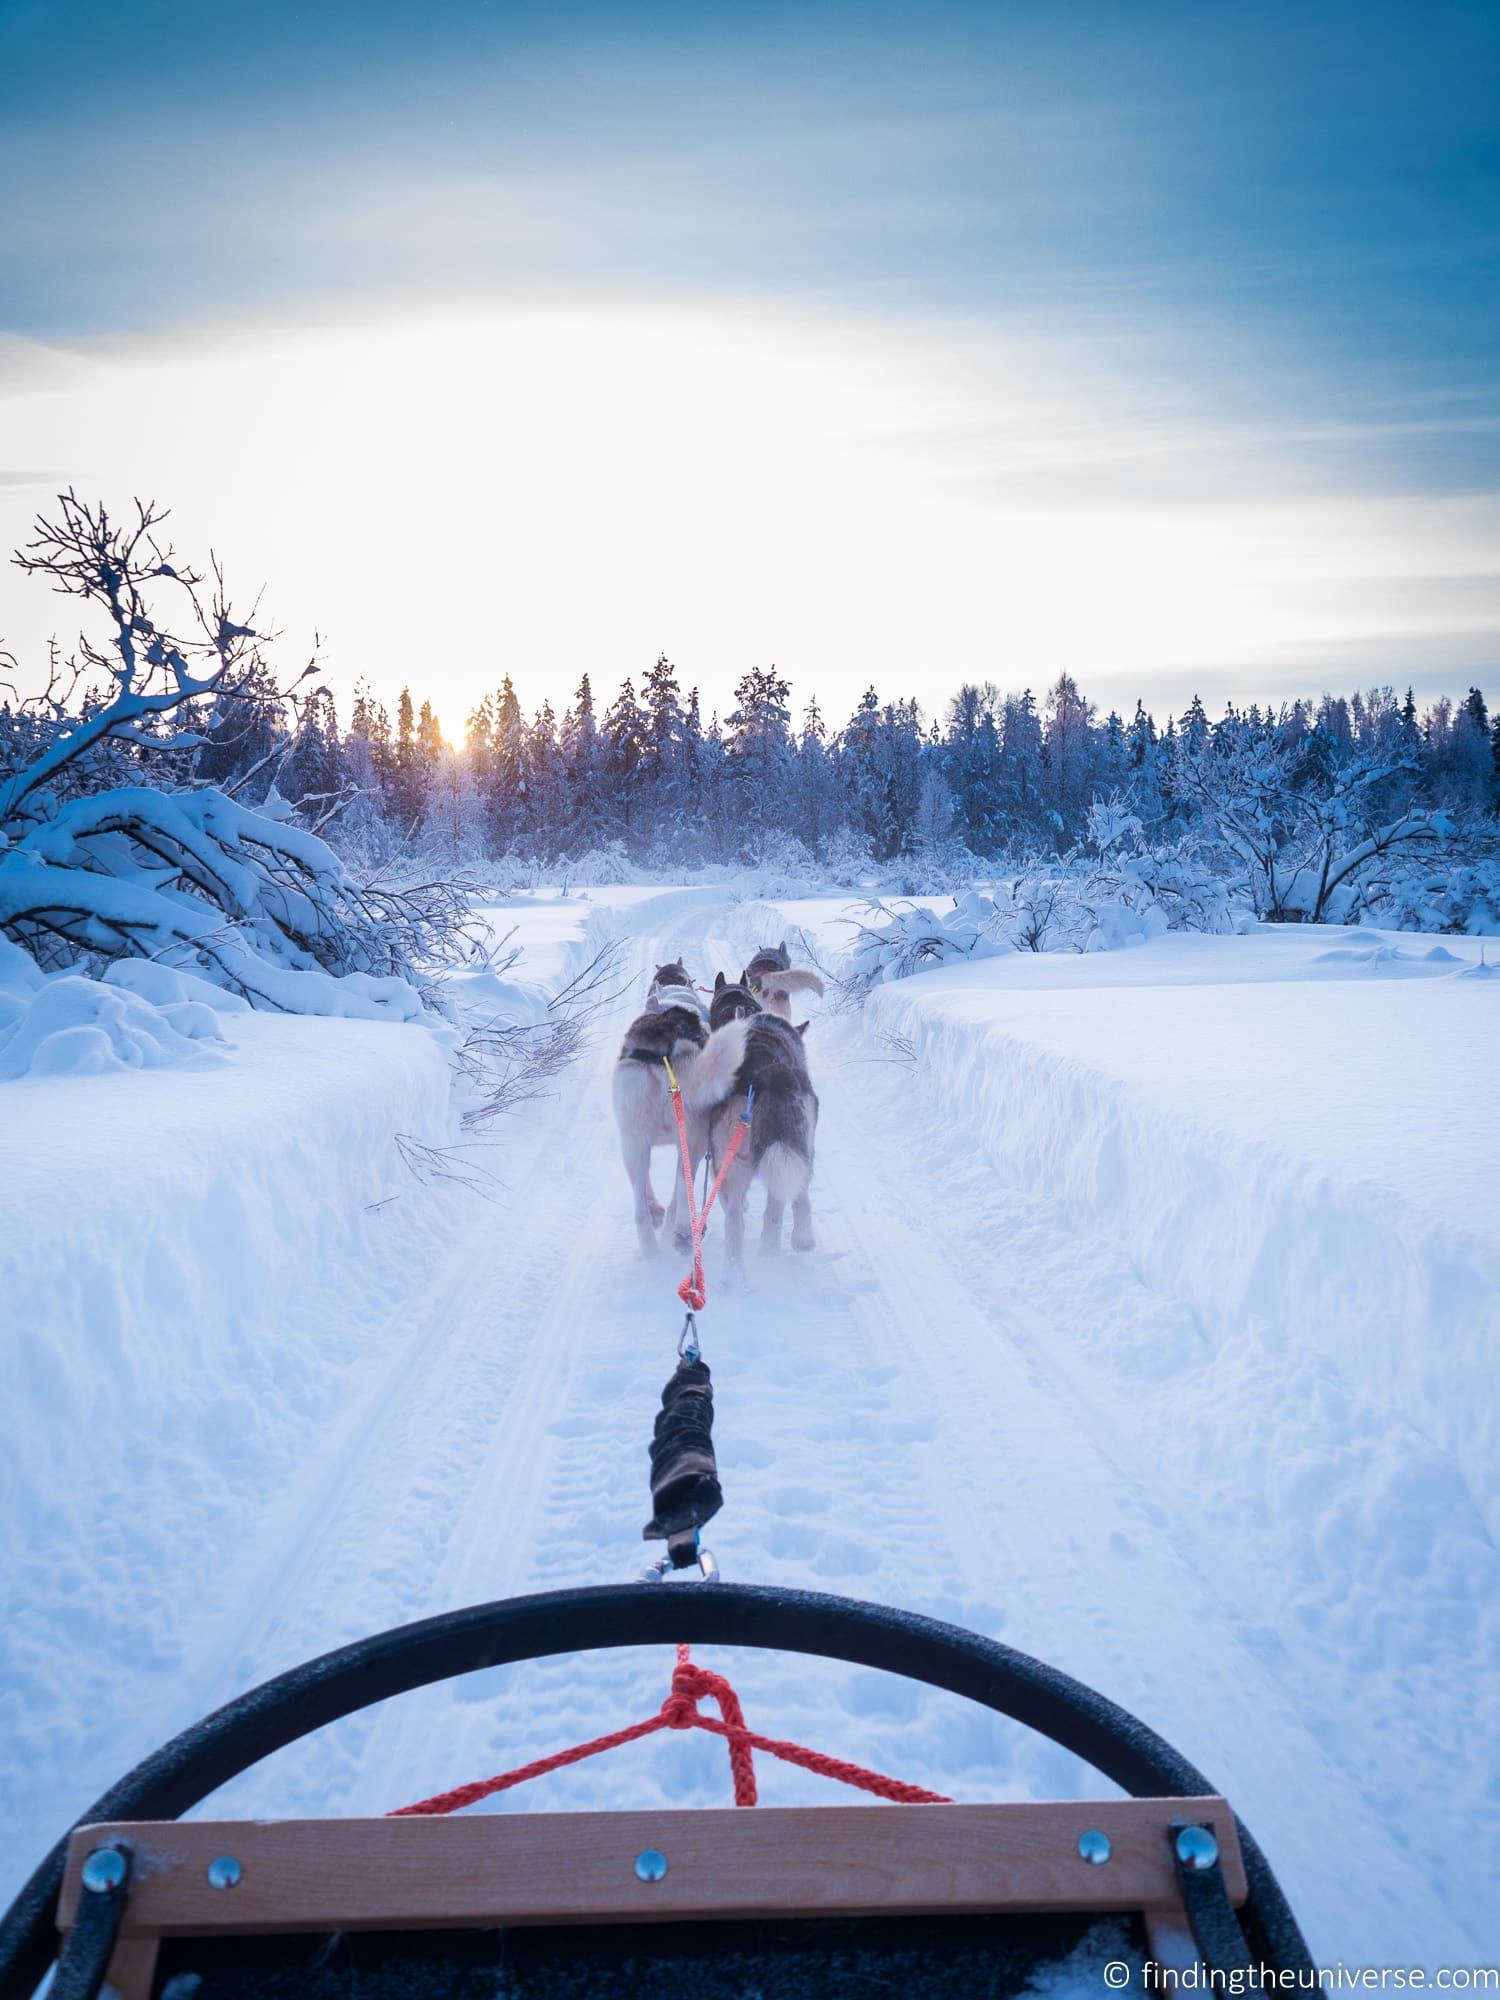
(650, 1864)
(224, 1871)
(104, 1871)
(1197, 1847)
(1094, 1847)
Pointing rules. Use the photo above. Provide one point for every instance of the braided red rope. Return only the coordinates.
(690, 1684)
(692, 1291)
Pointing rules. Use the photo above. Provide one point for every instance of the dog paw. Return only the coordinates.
(803, 1239)
(682, 1239)
(658, 1215)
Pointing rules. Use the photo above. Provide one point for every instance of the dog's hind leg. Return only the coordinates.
(648, 1212)
(676, 1220)
(786, 1172)
(802, 1229)
(736, 1192)
(770, 1225)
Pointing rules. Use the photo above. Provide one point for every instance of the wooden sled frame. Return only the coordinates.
(1262, 1931)
(498, 1870)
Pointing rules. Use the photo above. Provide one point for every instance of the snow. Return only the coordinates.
(177, 1328)
(140, 1015)
(1151, 1330)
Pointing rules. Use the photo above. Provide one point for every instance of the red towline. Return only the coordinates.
(692, 1291)
(690, 1684)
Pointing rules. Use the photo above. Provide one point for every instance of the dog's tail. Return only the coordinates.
(708, 1079)
(797, 980)
(785, 1171)
(776, 989)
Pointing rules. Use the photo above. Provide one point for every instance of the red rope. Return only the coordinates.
(690, 1684)
(692, 1291)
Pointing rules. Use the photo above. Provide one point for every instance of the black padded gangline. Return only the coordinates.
(184, 1772)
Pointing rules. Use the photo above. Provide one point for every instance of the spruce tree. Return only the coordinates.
(622, 742)
(661, 743)
(578, 751)
(758, 750)
(406, 782)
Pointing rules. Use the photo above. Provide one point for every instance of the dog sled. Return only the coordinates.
(923, 1899)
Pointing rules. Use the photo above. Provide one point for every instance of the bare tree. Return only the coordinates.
(96, 860)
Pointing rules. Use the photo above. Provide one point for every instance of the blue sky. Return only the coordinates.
(1260, 239)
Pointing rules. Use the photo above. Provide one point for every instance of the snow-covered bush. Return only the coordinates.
(1127, 891)
(848, 858)
(777, 864)
(601, 865)
(110, 851)
(899, 939)
(1137, 888)
(1046, 906)
(945, 869)
(1309, 837)
(1458, 898)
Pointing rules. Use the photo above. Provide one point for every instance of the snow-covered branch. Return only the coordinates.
(176, 871)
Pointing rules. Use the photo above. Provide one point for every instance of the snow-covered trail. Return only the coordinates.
(909, 1414)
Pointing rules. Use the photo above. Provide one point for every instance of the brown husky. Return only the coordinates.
(672, 1029)
(784, 1120)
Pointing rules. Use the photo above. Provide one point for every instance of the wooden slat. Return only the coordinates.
(132, 1969)
(579, 1867)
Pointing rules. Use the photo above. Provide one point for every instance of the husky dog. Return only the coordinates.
(672, 986)
(773, 979)
(672, 1029)
(769, 958)
(732, 1000)
(779, 1145)
(671, 982)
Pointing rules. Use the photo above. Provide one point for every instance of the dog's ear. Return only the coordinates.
(803, 1026)
(744, 978)
(782, 945)
(681, 965)
(719, 983)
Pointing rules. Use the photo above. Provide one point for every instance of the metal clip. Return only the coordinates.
(661, 1569)
(687, 1341)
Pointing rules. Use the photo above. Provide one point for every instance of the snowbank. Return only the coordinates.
(1293, 1132)
(1271, 1158)
(170, 1262)
(204, 1236)
(140, 1015)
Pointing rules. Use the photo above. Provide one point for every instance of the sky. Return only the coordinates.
(1159, 344)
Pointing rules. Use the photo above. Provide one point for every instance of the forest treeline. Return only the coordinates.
(996, 774)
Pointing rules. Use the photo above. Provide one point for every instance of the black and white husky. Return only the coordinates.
(674, 1028)
(773, 979)
(779, 1145)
